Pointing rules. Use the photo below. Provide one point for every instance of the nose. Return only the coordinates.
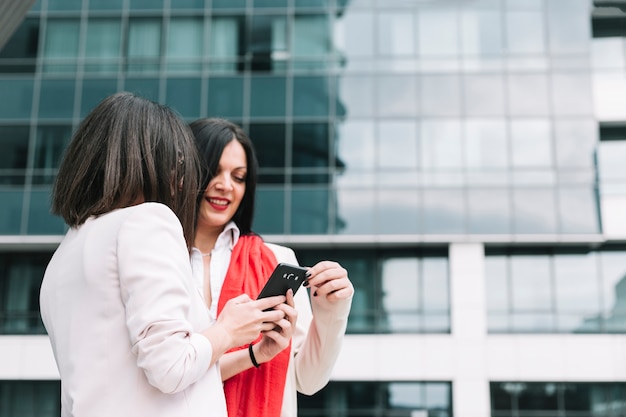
(223, 182)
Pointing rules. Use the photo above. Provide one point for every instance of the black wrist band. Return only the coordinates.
(252, 358)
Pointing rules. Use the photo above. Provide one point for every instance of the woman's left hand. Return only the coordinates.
(329, 282)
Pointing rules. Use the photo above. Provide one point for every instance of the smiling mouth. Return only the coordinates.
(217, 202)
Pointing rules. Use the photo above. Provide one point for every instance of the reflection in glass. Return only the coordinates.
(103, 44)
(270, 145)
(40, 220)
(311, 43)
(184, 44)
(356, 146)
(489, 211)
(355, 211)
(444, 211)
(578, 209)
(441, 144)
(570, 31)
(576, 142)
(396, 35)
(481, 32)
(49, 147)
(11, 210)
(572, 94)
(224, 43)
(30, 398)
(614, 290)
(397, 210)
(609, 92)
(61, 45)
(486, 145)
(531, 143)
(534, 211)
(354, 34)
(396, 96)
(577, 296)
(311, 96)
(401, 293)
(311, 146)
(397, 145)
(524, 32)
(144, 44)
(356, 94)
(528, 94)
(145, 87)
(484, 95)
(95, 91)
(440, 95)
(438, 32)
(267, 45)
(269, 211)
(14, 145)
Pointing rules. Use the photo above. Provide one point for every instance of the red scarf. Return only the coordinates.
(255, 392)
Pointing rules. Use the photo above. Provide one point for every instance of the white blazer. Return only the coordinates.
(123, 317)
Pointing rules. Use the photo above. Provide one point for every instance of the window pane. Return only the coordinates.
(310, 37)
(484, 95)
(397, 95)
(481, 33)
(56, 99)
(30, 398)
(224, 43)
(309, 210)
(444, 211)
(354, 34)
(441, 145)
(102, 49)
(534, 211)
(268, 47)
(486, 145)
(489, 211)
(524, 32)
(356, 95)
(440, 95)
(396, 34)
(145, 87)
(270, 145)
(400, 292)
(576, 142)
(61, 48)
(105, 4)
(531, 143)
(577, 291)
(528, 94)
(64, 4)
(40, 220)
(10, 211)
(184, 44)
(310, 96)
(144, 45)
(95, 91)
(530, 279)
(269, 211)
(50, 144)
(570, 30)
(401, 215)
(14, 145)
(17, 96)
(356, 146)
(183, 94)
(311, 145)
(225, 97)
(267, 97)
(572, 94)
(355, 208)
(438, 32)
(585, 218)
(20, 50)
(146, 4)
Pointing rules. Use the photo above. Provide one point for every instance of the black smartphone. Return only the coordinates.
(285, 276)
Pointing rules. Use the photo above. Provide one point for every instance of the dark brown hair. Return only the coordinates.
(128, 148)
(212, 135)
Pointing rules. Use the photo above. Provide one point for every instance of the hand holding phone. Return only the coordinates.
(284, 277)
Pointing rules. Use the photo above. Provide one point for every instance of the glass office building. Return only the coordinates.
(463, 159)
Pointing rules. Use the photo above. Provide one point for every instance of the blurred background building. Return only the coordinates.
(464, 159)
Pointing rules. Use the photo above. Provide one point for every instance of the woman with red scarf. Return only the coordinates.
(228, 259)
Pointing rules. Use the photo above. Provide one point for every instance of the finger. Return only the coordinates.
(290, 300)
(269, 302)
(242, 298)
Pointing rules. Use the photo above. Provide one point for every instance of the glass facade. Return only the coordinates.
(552, 399)
(387, 131)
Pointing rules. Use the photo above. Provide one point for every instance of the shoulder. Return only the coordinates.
(282, 253)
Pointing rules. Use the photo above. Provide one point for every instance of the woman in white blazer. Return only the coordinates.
(129, 330)
(306, 349)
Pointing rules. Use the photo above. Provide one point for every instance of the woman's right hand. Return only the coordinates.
(243, 319)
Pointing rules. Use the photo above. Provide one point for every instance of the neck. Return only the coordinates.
(206, 238)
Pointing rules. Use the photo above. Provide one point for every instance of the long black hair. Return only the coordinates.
(212, 135)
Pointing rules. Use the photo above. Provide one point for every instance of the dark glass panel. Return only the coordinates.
(269, 144)
(146, 4)
(268, 97)
(225, 98)
(94, 91)
(10, 211)
(310, 96)
(49, 147)
(40, 220)
(75, 5)
(14, 145)
(106, 4)
(269, 211)
(144, 87)
(228, 4)
(30, 398)
(56, 99)
(311, 145)
(17, 98)
(183, 95)
(20, 51)
(309, 210)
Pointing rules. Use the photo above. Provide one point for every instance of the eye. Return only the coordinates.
(239, 179)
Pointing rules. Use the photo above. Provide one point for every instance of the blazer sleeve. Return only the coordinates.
(318, 337)
(156, 287)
